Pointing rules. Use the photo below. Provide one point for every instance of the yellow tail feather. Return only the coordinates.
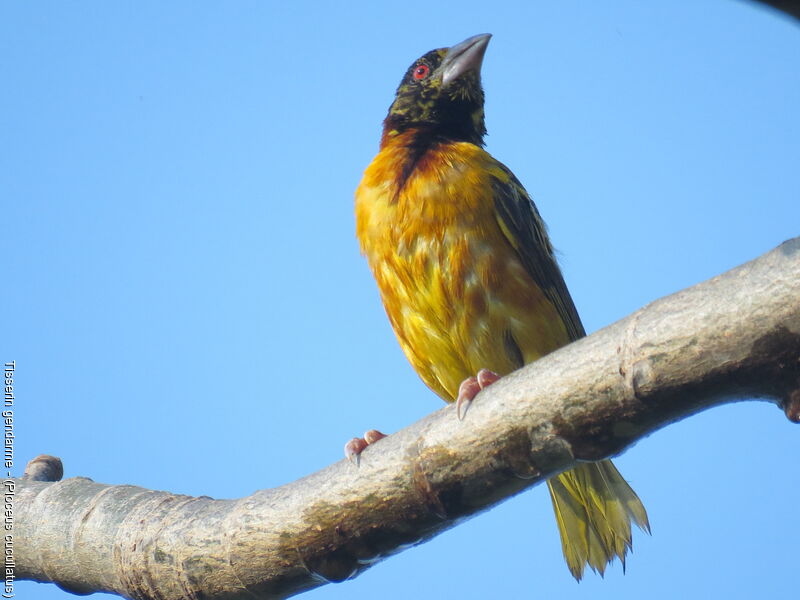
(594, 508)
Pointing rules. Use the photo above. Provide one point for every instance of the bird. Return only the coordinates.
(468, 276)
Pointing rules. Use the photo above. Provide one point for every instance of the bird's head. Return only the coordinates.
(441, 94)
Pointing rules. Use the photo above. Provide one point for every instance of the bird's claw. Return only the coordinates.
(373, 435)
(470, 387)
(354, 448)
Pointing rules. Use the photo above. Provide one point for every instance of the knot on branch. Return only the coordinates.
(44, 468)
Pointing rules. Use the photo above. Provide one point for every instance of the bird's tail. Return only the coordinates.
(594, 508)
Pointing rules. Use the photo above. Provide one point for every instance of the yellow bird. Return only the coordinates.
(468, 278)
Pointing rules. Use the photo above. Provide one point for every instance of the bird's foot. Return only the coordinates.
(470, 387)
(354, 448)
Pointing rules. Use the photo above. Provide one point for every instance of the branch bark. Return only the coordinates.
(733, 337)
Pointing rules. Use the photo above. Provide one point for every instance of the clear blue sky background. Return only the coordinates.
(185, 300)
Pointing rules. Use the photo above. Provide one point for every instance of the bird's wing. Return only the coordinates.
(526, 232)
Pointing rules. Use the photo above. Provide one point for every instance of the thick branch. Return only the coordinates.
(733, 337)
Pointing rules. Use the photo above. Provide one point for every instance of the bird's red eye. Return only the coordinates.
(421, 71)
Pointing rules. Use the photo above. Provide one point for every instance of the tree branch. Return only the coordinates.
(790, 7)
(735, 336)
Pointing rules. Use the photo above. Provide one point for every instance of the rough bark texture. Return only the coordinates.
(733, 337)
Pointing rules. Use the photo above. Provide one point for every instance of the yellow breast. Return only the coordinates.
(456, 293)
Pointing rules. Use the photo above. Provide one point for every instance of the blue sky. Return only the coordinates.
(188, 310)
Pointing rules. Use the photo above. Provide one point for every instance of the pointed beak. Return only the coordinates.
(463, 57)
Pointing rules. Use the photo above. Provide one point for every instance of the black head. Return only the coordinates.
(441, 94)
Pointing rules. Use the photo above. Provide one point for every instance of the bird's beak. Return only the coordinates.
(464, 57)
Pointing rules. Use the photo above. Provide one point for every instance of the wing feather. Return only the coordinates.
(526, 232)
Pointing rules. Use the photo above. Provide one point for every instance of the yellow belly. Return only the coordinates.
(455, 292)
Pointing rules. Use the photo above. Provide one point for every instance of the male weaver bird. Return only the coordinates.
(468, 277)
